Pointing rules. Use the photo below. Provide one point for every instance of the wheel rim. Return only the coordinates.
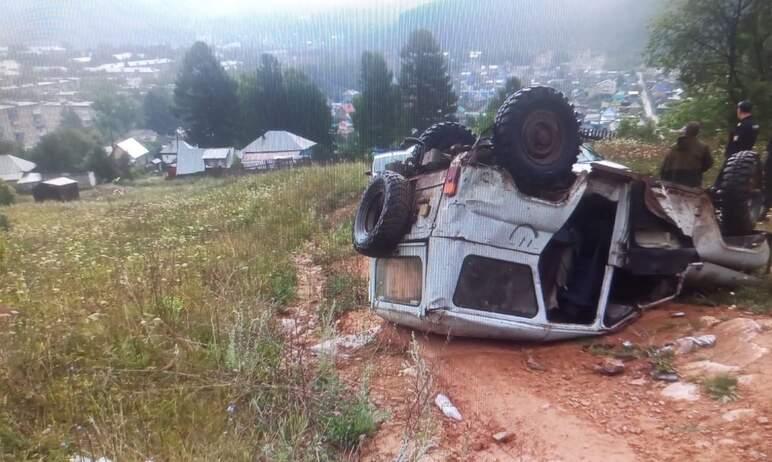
(373, 213)
(541, 135)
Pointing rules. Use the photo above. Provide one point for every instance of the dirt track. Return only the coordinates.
(567, 411)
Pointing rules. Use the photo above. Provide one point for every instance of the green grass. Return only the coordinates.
(147, 323)
(752, 297)
(662, 362)
(722, 387)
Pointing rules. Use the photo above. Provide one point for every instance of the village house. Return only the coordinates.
(13, 168)
(218, 158)
(133, 149)
(181, 159)
(276, 149)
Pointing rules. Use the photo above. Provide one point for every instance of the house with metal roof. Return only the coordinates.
(218, 158)
(59, 189)
(189, 159)
(13, 168)
(133, 149)
(276, 148)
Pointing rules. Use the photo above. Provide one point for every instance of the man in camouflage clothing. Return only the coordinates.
(688, 159)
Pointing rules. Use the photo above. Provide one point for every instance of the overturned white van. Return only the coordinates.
(462, 246)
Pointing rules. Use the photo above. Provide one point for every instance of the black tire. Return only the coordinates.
(740, 200)
(536, 137)
(443, 136)
(383, 215)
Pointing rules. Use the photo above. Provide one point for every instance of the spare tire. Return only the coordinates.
(739, 195)
(443, 136)
(536, 137)
(383, 215)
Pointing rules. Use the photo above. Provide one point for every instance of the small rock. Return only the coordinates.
(677, 314)
(683, 346)
(707, 368)
(705, 341)
(503, 437)
(709, 321)
(737, 414)
(288, 325)
(762, 420)
(627, 344)
(610, 367)
(702, 445)
(727, 442)
(347, 342)
(681, 392)
(447, 407)
(639, 382)
(745, 380)
(534, 365)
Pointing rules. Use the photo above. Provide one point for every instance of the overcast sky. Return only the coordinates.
(229, 7)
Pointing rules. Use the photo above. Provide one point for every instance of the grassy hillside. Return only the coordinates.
(146, 323)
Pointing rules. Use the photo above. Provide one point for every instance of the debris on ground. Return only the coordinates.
(677, 314)
(503, 437)
(290, 326)
(610, 367)
(447, 407)
(665, 376)
(346, 342)
(681, 392)
(88, 459)
(686, 345)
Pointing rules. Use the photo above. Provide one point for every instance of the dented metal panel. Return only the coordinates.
(691, 210)
(488, 209)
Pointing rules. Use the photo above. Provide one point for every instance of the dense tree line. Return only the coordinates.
(218, 110)
(423, 96)
(722, 50)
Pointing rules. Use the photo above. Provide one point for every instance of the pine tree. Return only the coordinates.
(157, 108)
(273, 99)
(427, 92)
(486, 119)
(205, 99)
(376, 115)
(306, 112)
(261, 95)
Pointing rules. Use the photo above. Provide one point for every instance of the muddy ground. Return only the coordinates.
(550, 398)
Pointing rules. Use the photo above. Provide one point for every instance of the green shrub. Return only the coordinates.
(7, 196)
(5, 224)
(722, 387)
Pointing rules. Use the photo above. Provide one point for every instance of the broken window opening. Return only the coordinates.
(574, 262)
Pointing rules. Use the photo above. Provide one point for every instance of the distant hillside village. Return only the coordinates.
(125, 97)
(272, 150)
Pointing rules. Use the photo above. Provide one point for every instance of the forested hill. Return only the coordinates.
(509, 29)
(504, 29)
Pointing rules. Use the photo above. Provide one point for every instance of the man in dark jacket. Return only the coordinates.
(688, 159)
(746, 132)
